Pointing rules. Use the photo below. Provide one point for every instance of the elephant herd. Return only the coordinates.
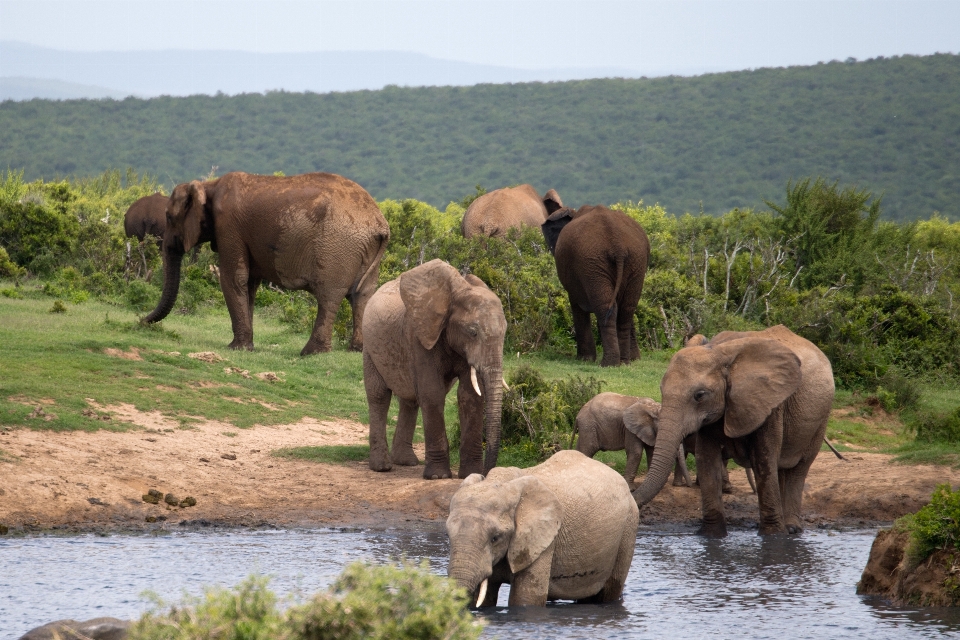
(564, 529)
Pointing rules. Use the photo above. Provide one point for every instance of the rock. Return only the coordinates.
(204, 460)
(4, 530)
(98, 502)
(228, 456)
(152, 499)
(890, 574)
(151, 518)
(189, 501)
(96, 629)
(171, 499)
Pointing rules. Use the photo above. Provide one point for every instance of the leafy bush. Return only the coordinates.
(539, 416)
(896, 391)
(935, 526)
(30, 231)
(385, 602)
(937, 427)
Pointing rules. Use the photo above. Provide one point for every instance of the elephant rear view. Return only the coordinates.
(493, 214)
(601, 258)
(316, 232)
(146, 216)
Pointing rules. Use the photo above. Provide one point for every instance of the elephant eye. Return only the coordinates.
(495, 538)
(472, 330)
(699, 395)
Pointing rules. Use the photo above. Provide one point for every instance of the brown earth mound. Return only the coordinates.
(889, 573)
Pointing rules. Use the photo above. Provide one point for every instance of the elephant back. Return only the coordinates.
(493, 214)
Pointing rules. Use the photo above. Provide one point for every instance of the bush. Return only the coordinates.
(382, 602)
(539, 416)
(935, 526)
(29, 230)
(937, 427)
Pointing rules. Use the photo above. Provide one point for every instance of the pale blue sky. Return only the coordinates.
(639, 34)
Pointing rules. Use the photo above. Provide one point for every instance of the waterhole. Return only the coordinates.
(680, 585)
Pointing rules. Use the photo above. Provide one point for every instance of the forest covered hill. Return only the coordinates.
(890, 126)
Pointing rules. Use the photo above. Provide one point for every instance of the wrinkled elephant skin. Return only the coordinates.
(493, 214)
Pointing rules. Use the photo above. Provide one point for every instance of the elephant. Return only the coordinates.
(562, 530)
(765, 397)
(317, 232)
(601, 257)
(147, 216)
(424, 330)
(95, 629)
(496, 212)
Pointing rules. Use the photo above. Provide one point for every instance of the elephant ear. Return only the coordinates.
(640, 419)
(552, 201)
(504, 474)
(697, 340)
(761, 375)
(427, 292)
(475, 281)
(537, 522)
(554, 224)
(471, 479)
(194, 208)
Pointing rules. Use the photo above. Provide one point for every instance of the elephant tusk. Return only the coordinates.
(483, 592)
(506, 387)
(473, 379)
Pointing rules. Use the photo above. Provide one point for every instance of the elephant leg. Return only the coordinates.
(626, 338)
(765, 455)
(586, 347)
(791, 492)
(378, 404)
(252, 285)
(709, 466)
(726, 485)
(613, 588)
(470, 408)
(607, 323)
(681, 477)
(531, 586)
(358, 303)
(437, 464)
(634, 344)
(320, 338)
(635, 450)
(234, 281)
(402, 451)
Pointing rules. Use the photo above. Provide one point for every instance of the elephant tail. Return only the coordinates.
(374, 265)
(616, 287)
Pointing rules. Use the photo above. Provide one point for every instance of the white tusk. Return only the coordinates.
(506, 387)
(473, 379)
(483, 592)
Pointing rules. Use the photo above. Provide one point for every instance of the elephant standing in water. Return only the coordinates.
(146, 216)
(564, 529)
(317, 232)
(765, 397)
(601, 258)
(424, 330)
(496, 212)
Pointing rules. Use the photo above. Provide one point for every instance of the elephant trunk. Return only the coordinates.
(468, 570)
(493, 384)
(172, 260)
(669, 437)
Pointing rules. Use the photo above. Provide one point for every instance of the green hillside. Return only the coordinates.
(891, 126)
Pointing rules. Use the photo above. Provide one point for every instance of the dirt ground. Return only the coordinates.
(79, 481)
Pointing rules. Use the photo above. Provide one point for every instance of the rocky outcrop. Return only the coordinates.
(889, 573)
(96, 629)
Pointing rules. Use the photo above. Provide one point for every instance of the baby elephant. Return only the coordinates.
(614, 422)
(562, 530)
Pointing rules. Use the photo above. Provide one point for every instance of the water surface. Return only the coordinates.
(680, 585)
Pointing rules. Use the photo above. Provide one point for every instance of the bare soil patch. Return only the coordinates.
(84, 481)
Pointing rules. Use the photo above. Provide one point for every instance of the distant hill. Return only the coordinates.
(28, 88)
(723, 140)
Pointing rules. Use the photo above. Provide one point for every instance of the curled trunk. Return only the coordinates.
(493, 384)
(669, 438)
(171, 286)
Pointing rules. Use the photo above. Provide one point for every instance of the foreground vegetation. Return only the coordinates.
(376, 602)
(876, 296)
(718, 141)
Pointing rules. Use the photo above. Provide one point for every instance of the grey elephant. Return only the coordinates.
(562, 530)
(424, 331)
(316, 232)
(146, 216)
(764, 396)
(96, 629)
(493, 214)
(615, 422)
(601, 257)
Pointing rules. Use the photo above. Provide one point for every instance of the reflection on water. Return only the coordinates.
(679, 585)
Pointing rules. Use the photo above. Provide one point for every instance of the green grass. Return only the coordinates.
(332, 454)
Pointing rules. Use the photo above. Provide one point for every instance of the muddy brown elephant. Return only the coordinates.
(316, 232)
(601, 257)
(147, 216)
(764, 396)
(564, 529)
(493, 214)
(425, 330)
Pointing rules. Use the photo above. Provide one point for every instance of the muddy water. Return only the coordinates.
(680, 585)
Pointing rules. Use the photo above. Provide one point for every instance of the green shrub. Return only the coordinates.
(8, 268)
(897, 392)
(29, 231)
(539, 416)
(141, 296)
(935, 526)
(937, 427)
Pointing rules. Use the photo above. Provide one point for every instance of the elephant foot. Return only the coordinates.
(610, 362)
(713, 530)
(437, 471)
(727, 488)
(679, 482)
(772, 530)
(586, 357)
(794, 529)
(380, 461)
(240, 345)
(356, 346)
(312, 347)
(404, 458)
(467, 468)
